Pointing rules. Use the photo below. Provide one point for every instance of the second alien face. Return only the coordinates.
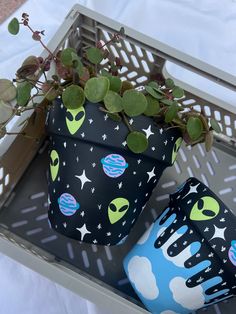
(205, 208)
(54, 164)
(74, 119)
(117, 209)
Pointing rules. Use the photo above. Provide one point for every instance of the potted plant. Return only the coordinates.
(109, 142)
(188, 255)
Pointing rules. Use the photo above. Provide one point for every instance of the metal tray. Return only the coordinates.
(95, 272)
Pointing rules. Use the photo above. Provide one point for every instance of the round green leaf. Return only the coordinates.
(171, 113)
(153, 84)
(153, 106)
(167, 102)
(96, 89)
(77, 63)
(66, 56)
(137, 142)
(152, 92)
(178, 92)
(14, 26)
(194, 128)
(23, 93)
(169, 83)
(73, 97)
(5, 112)
(94, 55)
(113, 102)
(115, 83)
(7, 90)
(134, 103)
(215, 125)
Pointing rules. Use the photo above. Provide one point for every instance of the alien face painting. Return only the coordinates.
(74, 119)
(187, 263)
(54, 164)
(176, 149)
(117, 209)
(95, 180)
(205, 208)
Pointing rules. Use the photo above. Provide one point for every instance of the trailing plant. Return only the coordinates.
(78, 78)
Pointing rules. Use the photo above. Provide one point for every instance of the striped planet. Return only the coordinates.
(114, 165)
(67, 204)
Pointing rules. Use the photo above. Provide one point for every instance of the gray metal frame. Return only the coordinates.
(24, 232)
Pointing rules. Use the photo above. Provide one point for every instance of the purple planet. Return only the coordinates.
(232, 252)
(67, 204)
(114, 165)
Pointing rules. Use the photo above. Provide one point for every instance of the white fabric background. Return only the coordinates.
(203, 28)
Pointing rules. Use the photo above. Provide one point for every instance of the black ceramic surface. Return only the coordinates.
(98, 187)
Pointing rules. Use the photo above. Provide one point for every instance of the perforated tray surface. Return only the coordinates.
(25, 214)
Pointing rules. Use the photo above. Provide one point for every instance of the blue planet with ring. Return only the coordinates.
(114, 165)
(68, 204)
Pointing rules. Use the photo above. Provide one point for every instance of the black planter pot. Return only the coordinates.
(188, 256)
(97, 186)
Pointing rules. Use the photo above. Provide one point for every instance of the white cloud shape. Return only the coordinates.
(141, 275)
(145, 236)
(189, 298)
(168, 312)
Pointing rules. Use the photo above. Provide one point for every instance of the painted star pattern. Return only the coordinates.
(82, 176)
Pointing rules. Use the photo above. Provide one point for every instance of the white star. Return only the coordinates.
(123, 223)
(136, 200)
(120, 185)
(99, 226)
(124, 143)
(99, 206)
(200, 280)
(90, 121)
(106, 117)
(64, 163)
(193, 189)
(67, 186)
(151, 174)
(134, 210)
(77, 159)
(94, 164)
(138, 161)
(134, 172)
(104, 137)
(206, 229)
(91, 148)
(93, 190)
(148, 132)
(117, 128)
(64, 224)
(163, 157)
(83, 179)
(165, 142)
(108, 234)
(95, 241)
(83, 230)
(82, 134)
(161, 131)
(153, 148)
(131, 121)
(172, 138)
(219, 233)
(82, 214)
(140, 183)
(64, 144)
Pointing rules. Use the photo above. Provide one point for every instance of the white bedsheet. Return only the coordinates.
(202, 28)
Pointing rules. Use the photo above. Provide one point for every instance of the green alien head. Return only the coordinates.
(54, 164)
(176, 147)
(117, 209)
(74, 119)
(205, 208)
